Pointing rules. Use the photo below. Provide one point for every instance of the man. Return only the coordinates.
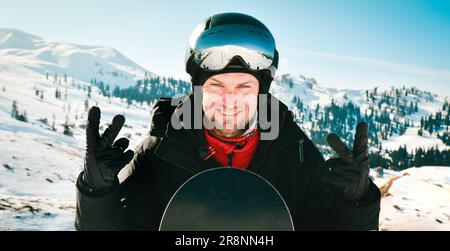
(232, 60)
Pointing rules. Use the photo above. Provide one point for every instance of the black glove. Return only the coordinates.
(350, 172)
(103, 159)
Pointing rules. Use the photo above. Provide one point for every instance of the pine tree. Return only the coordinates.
(57, 93)
(86, 104)
(316, 112)
(53, 123)
(447, 119)
(16, 114)
(14, 110)
(129, 101)
(24, 117)
(67, 131)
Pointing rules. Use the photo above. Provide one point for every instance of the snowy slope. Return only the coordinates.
(38, 167)
(19, 49)
(419, 200)
(412, 141)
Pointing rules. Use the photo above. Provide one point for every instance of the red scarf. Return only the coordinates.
(234, 152)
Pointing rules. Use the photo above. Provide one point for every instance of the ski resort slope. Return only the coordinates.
(418, 200)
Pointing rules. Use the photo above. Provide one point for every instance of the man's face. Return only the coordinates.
(230, 101)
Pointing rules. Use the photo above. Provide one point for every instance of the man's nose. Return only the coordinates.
(229, 98)
(230, 91)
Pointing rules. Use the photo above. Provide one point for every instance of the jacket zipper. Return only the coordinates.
(300, 150)
(267, 155)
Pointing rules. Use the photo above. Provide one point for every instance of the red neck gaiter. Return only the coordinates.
(233, 152)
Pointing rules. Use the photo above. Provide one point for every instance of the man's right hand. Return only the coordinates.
(104, 158)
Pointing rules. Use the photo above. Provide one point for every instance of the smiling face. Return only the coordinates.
(230, 101)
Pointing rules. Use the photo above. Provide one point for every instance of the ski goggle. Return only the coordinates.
(214, 49)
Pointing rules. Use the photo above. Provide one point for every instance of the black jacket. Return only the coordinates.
(167, 158)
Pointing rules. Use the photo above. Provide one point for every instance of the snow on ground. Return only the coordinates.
(419, 200)
(412, 140)
(38, 166)
(38, 172)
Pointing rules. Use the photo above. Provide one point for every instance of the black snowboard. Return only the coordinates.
(226, 199)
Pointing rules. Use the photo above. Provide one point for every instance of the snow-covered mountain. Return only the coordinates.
(396, 102)
(19, 49)
(39, 163)
(287, 86)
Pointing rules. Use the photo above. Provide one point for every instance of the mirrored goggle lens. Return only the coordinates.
(219, 57)
(216, 48)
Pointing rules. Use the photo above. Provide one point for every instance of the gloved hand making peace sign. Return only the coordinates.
(349, 173)
(104, 159)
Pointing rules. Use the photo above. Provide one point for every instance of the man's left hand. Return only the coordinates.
(349, 173)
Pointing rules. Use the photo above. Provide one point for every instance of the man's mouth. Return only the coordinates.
(230, 113)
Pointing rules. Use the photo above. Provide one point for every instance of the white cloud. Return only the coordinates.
(434, 73)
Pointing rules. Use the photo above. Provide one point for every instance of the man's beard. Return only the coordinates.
(249, 125)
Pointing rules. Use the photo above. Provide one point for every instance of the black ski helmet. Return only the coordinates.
(232, 42)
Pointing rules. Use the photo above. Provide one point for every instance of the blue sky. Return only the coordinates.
(353, 44)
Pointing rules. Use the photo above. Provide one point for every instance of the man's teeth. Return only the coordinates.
(230, 113)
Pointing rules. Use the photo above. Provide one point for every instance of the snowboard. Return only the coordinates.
(226, 199)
